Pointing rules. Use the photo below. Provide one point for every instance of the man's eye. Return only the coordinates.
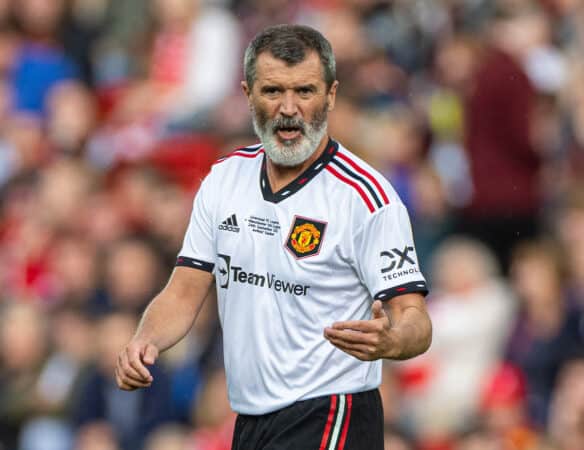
(271, 90)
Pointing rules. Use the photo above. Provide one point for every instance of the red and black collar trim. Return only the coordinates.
(294, 186)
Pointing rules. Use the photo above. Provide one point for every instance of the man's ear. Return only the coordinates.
(332, 95)
(247, 91)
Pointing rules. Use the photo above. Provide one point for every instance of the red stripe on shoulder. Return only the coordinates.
(362, 171)
(240, 153)
(354, 185)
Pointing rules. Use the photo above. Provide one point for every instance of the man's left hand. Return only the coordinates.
(367, 340)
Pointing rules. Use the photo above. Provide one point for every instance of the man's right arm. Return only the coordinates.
(167, 319)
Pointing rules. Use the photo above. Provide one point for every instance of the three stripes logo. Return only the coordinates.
(230, 224)
(337, 424)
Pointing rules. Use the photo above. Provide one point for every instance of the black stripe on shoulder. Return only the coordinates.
(249, 149)
(359, 178)
(183, 261)
(408, 288)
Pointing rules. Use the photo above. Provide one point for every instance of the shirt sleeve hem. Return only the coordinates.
(407, 288)
(184, 261)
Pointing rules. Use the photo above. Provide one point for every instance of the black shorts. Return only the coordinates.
(335, 422)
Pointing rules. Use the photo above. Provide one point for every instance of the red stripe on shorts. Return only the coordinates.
(346, 424)
(329, 422)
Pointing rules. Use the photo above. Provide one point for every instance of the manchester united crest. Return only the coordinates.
(305, 237)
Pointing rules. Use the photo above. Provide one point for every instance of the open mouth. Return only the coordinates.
(288, 133)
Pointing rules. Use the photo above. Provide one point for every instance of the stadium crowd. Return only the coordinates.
(111, 112)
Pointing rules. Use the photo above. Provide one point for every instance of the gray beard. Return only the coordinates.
(289, 153)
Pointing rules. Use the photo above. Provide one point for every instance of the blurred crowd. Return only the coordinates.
(112, 111)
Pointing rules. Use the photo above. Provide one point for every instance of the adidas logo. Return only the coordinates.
(230, 224)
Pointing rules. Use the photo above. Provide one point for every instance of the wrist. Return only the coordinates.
(394, 348)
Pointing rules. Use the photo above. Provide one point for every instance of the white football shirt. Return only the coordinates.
(290, 263)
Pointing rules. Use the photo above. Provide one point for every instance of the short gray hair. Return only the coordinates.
(290, 43)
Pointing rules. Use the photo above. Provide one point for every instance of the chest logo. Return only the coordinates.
(305, 237)
(230, 224)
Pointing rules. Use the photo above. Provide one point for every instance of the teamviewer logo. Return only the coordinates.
(230, 224)
(223, 267)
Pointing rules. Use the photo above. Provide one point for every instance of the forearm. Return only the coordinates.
(171, 314)
(398, 329)
(165, 322)
(411, 331)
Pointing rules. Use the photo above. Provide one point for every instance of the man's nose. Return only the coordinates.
(289, 105)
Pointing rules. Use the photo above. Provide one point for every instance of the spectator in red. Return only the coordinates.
(503, 163)
(503, 406)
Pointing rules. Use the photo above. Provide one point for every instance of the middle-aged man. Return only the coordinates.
(313, 260)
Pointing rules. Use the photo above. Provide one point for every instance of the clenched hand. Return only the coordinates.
(131, 371)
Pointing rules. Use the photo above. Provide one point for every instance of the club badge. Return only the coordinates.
(305, 237)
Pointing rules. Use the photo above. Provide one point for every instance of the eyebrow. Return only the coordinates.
(310, 86)
(271, 87)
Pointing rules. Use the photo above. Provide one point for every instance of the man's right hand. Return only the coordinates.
(166, 320)
(131, 371)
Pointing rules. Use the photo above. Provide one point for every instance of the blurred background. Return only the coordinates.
(112, 111)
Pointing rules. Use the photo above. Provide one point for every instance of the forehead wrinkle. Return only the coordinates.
(271, 70)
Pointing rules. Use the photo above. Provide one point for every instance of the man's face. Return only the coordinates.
(290, 106)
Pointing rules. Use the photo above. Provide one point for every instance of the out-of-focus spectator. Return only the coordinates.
(479, 439)
(432, 219)
(71, 117)
(74, 265)
(132, 190)
(25, 244)
(399, 149)
(472, 312)
(175, 94)
(504, 408)
(569, 223)
(64, 369)
(62, 191)
(131, 414)
(546, 332)
(40, 62)
(102, 218)
(396, 440)
(190, 35)
(572, 101)
(84, 25)
(254, 15)
(193, 359)
(567, 412)
(452, 70)
(23, 135)
(390, 396)
(167, 437)
(499, 108)
(98, 435)
(132, 275)
(213, 416)
(46, 434)
(23, 349)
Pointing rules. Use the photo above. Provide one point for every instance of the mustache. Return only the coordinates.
(288, 122)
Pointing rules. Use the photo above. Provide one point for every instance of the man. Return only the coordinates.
(314, 265)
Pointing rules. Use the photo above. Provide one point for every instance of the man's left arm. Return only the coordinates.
(399, 328)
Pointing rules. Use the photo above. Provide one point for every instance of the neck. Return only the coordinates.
(279, 176)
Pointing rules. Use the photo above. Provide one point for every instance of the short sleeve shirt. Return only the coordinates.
(288, 264)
